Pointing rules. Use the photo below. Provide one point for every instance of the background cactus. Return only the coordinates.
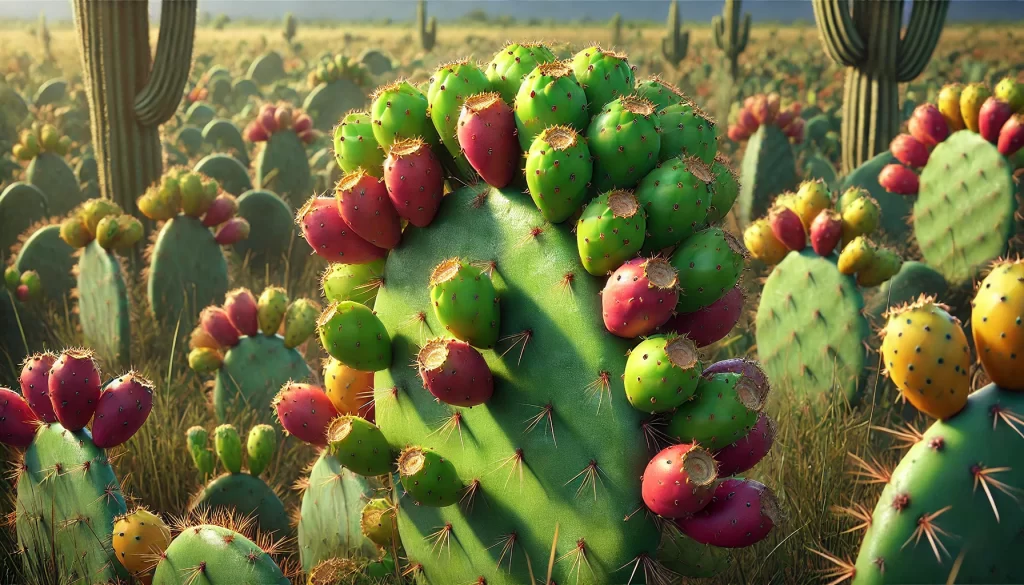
(269, 215)
(427, 31)
(731, 35)
(676, 42)
(21, 206)
(338, 90)
(769, 164)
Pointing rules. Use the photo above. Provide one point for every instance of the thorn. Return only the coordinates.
(442, 538)
(450, 424)
(516, 461)
(982, 476)
(591, 475)
(508, 546)
(858, 512)
(866, 472)
(546, 412)
(523, 336)
(926, 527)
(600, 387)
(843, 569)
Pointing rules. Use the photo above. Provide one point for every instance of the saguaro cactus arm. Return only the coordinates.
(676, 42)
(731, 36)
(923, 32)
(156, 103)
(838, 33)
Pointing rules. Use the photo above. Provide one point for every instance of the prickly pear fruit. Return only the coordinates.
(625, 139)
(353, 335)
(860, 218)
(899, 179)
(849, 196)
(74, 232)
(350, 390)
(549, 96)
(22, 293)
(971, 99)
(364, 205)
(305, 411)
(925, 353)
(711, 323)
(662, 372)
(255, 132)
(359, 445)
(139, 538)
(826, 231)
(196, 197)
(378, 522)
(639, 297)
(352, 282)
(1009, 90)
(677, 197)
(400, 111)
(604, 75)
(18, 422)
(431, 480)
(205, 360)
(811, 198)
(488, 137)
(713, 258)
(724, 409)
(996, 315)
(1011, 136)
(197, 440)
(856, 256)
(354, 144)
(31, 281)
(108, 232)
(512, 63)
(260, 446)
(414, 180)
(749, 369)
(122, 409)
(300, 322)
(220, 210)
(883, 266)
(228, 445)
(217, 323)
(993, 114)
(241, 309)
(455, 373)
(610, 231)
(949, 106)
(283, 117)
(558, 172)
(747, 452)
(267, 118)
(909, 151)
(34, 382)
(465, 302)
(762, 243)
(331, 237)
(131, 232)
(232, 231)
(788, 228)
(271, 308)
(741, 513)
(12, 278)
(927, 125)
(679, 481)
(94, 210)
(74, 388)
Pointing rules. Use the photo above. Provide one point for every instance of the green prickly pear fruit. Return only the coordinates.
(430, 479)
(192, 193)
(202, 456)
(513, 63)
(860, 218)
(12, 278)
(723, 410)
(449, 87)
(676, 197)
(352, 282)
(399, 112)
(205, 360)
(812, 198)
(378, 522)
(688, 131)
(625, 139)
(883, 266)
(355, 146)
(727, 189)
(108, 232)
(662, 372)
(63, 146)
(354, 336)
(93, 210)
(849, 196)
(604, 75)
(610, 231)
(359, 445)
(270, 309)
(971, 99)
(49, 137)
(558, 172)
(1010, 91)
(229, 447)
(260, 446)
(856, 256)
(131, 232)
(30, 280)
(549, 96)
(159, 204)
(465, 302)
(713, 258)
(74, 232)
(300, 322)
(30, 142)
(21, 153)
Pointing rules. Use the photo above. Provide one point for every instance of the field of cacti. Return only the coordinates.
(511, 303)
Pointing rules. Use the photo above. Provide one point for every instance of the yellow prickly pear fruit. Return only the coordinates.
(1010, 91)
(140, 537)
(925, 353)
(850, 195)
(949, 106)
(300, 322)
(885, 264)
(64, 145)
(49, 137)
(349, 390)
(31, 142)
(997, 321)
(205, 360)
(812, 198)
(108, 232)
(271, 307)
(21, 153)
(93, 210)
(787, 199)
(195, 199)
(971, 100)
(860, 217)
(190, 185)
(131, 232)
(856, 256)
(74, 232)
(762, 243)
(156, 207)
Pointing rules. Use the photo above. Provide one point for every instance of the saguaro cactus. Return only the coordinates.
(427, 32)
(676, 42)
(865, 37)
(130, 95)
(730, 35)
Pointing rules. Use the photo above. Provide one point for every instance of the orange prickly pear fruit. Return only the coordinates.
(762, 243)
(925, 354)
(997, 321)
(139, 539)
(949, 106)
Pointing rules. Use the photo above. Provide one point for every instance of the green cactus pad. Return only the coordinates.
(375, 61)
(610, 231)
(199, 115)
(252, 373)
(512, 63)
(223, 554)
(220, 90)
(964, 214)
(272, 227)
(103, 306)
(690, 558)
(355, 146)
(811, 334)
(267, 68)
(709, 263)
(355, 336)
(67, 500)
(768, 169)
(228, 171)
(549, 96)
(50, 174)
(21, 205)
(243, 89)
(190, 139)
(53, 259)
(896, 209)
(913, 280)
(401, 111)
(353, 282)
(222, 135)
(604, 75)
(282, 167)
(677, 197)
(328, 102)
(624, 138)
(688, 131)
(245, 495)
(51, 92)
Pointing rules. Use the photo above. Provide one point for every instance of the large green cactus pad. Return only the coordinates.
(103, 308)
(246, 496)
(282, 167)
(768, 169)
(21, 205)
(253, 372)
(272, 230)
(50, 174)
(228, 171)
(328, 102)
(913, 280)
(225, 557)
(222, 135)
(53, 259)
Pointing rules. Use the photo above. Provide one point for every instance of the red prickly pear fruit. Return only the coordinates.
(267, 119)
(240, 306)
(785, 119)
(305, 411)
(909, 151)
(679, 481)
(455, 373)
(787, 227)
(74, 388)
(899, 179)
(302, 123)
(283, 117)
(18, 422)
(308, 136)
(795, 130)
(994, 113)
(364, 204)
(747, 121)
(232, 231)
(35, 385)
(487, 136)
(639, 297)
(826, 231)
(122, 409)
(748, 102)
(928, 126)
(774, 103)
(23, 293)
(415, 181)
(221, 210)
(753, 382)
(742, 512)
(713, 322)
(330, 236)
(738, 133)
(748, 451)
(254, 132)
(760, 109)
(216, 322)
(1011, 136)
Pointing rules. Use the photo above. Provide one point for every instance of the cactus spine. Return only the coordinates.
(868, 42)
(427, 30)
(676, 42)
(730, 35)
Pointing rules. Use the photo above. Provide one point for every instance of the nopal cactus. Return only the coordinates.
(48, 171)
(282, 165)
(337, 88)
(487, 303)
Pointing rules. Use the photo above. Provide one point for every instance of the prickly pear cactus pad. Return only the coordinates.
(48, 171)
(282, 165)
(228, 171)
(207, 553)
(103, 306)
(21, 205)
(41, 249)
(272, 218)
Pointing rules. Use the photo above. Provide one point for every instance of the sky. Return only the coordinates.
(694, 10)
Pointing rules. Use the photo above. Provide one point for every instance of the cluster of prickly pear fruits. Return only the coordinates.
(272, 118)
(140, 538)
(338, 67)
(25, 286)
(104, 221)
(39, 139)
(181, 191)
(766, 110)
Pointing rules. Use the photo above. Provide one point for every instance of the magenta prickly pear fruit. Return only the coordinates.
(898, 179)
(267, 118)
(662, 372)
(711, 323)
(679, 481)
(1011, 136)
(465, 302)
(23, 293)
(909, 151)
(826, 231)
(928, 126)
(354, 336)
(994, 113)
(754, 377)
(308, 136)
(359, 445)
(254, 132)
(330, 236)
(639, 297)
(430, 479)
(738, 133)
(243, 312)
(123, 407)
(302, 123)
(364, 204)
(741, 513)
(74, 388)
(35, 385)
(222, 209)
(18, 422)
(217, 323)
(748, 451)
(414, 180)
(455, 373)
(788, 228)
(305, 411)
(232, 231)
(488, 137)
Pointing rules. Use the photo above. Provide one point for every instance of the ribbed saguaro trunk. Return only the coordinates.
(864, 35)
(131, 93)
